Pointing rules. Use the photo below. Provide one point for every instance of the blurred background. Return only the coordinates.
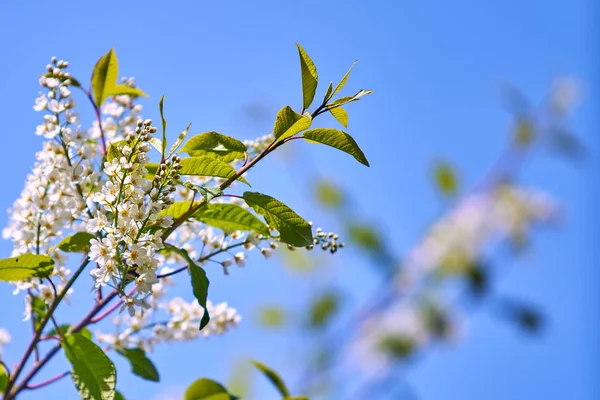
(475, 104)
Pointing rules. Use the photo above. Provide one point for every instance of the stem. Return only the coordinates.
(86, 320)
(111, 309)
(222, 186)
(99, 118)
(40, 329)
(11, 389)
(48, 381)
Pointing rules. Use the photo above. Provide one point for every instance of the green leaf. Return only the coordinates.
(180, 138)
(152, 168)
(113, 150)
(292, 228)
(119, 396)
(215, 144)
(206, 389)
(76, 243)
(39, 308)
(310, 78)
(104, 77)
(26, 265)
(140, 364)
(445, 178)
(337, 139)
(3, 378)
(340, 115)
(92, 371)
(208, 192)
(64, 328)
(328, 93)
(343, 81)
(273, 377)
(348, 99)
(163, 149)
(206, 166)
(200, 289)
(231, 217)
(156, 143)
(288, 123)
(177, 209)
(121, 88)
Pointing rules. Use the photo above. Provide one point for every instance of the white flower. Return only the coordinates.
(104, 273)
(98, 223)
(239, 259)
(102, 251)
(40, 103)
(266, 252)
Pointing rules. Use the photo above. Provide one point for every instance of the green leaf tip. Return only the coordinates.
(310, 78)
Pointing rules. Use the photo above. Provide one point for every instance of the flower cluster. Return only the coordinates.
(99, 181)
(129, 220)
(56, 192)
(180, 324)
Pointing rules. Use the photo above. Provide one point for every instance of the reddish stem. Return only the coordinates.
(48, 381)
(111, 309)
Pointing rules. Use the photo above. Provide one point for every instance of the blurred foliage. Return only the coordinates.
(323, 307)
(446, 178)
(272, 316)
(328, 195)
(397, 346)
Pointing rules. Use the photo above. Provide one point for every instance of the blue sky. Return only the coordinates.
(437, 68)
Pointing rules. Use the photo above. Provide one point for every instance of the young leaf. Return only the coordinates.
(343, 81)
(274, 378)
(231, 217)
(213, 143)
(121, 88)
(338, 139)
(104, 77)
(348, 99)
(180, 139)
(26, 265)
(140, 364)
(77, 243)
(310, 78)
(206, 389)
(328, 93)
(163, 149)
(200, 289)
(206, 166)
(92, 371)
(288, 123)
(292, 228)
(340, 115)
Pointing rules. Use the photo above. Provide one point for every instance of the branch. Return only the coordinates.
(48, 381)
(40, 329)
